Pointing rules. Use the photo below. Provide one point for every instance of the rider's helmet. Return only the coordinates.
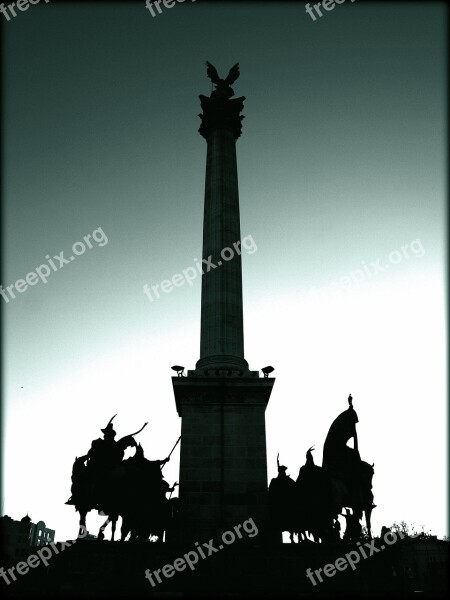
(108, 431)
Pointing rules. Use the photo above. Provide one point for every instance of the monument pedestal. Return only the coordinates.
(223, 464)
(93, 569)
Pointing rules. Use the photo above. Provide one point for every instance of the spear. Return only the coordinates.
(175, 445)
(176, 483)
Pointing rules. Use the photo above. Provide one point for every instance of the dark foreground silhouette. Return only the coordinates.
(312, 503)
(133, 489)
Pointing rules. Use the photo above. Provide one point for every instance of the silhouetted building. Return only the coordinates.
(19, 538)
(423, 564)
(42, 535)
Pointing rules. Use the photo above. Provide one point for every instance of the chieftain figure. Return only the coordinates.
(282, 500)
(351, 477)
(105, 455)
(107, 452)
(314, 501)
(103, 481)
(309, 470)
(343, 482)
(338, 458)
(145, 510)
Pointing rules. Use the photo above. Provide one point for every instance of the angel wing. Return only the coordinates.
(233, 74)
(212, 73)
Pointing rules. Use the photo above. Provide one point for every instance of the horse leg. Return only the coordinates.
(124, 531)
(83, 514)
(101, 533)
(368, 512)
(82, 525)
(113, 526)
(356, 529)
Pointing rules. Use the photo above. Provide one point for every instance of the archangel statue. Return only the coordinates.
(220, 110)
(223, 89)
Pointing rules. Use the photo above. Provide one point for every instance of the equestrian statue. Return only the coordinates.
(133, 488)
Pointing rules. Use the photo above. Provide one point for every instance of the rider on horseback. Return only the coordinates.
(106, 453)
(104, 456)
(133, 489)
(282, 499)
(346, 468)
(338, 458)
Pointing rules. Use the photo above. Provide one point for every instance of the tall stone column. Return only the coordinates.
(222, 328)
(223, 464)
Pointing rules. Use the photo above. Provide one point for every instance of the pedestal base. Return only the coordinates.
(223, 463)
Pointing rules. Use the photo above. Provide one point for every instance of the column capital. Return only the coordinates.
(221, 114)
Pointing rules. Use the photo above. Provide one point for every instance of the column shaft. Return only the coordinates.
(222, 333)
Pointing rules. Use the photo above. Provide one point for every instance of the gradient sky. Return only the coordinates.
(342, 162)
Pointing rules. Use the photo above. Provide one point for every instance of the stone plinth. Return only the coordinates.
(243, 569)
(223, 464)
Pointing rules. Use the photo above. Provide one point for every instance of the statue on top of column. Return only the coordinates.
(220, 110)
(223, 89)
